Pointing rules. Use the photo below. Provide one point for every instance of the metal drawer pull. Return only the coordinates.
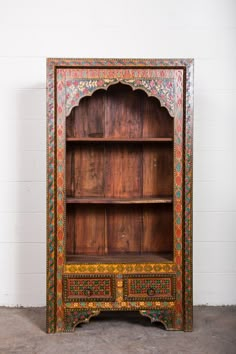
(88, 292)
(151, 292)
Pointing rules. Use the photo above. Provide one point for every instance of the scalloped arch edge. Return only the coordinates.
(123, 82)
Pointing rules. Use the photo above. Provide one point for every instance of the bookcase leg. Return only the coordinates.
(73, 317)
(165, 316)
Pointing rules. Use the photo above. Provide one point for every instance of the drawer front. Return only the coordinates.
(144, 287)
(89, 288)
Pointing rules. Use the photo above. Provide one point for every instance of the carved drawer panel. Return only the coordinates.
(89, 288)
(143, 287)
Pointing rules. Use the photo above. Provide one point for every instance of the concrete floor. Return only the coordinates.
(22, 330)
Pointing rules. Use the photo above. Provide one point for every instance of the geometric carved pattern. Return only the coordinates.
(165, 316)
(89, 288)
(120, 268)
(149, 287)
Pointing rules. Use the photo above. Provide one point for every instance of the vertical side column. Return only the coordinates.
(188, 297)
(51, 241)
(60, 190)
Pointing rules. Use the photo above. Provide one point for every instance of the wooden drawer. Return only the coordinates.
(89, 288)
(144, 287)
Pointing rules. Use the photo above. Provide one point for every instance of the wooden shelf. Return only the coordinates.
(127, 140)
(121, 258)
(91, 200)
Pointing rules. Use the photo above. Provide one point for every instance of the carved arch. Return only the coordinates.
(161, 89)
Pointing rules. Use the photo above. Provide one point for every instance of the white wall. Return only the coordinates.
(32, 30)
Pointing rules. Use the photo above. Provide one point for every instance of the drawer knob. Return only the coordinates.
(88, 292)
(151, 291)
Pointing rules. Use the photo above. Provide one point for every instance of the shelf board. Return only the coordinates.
(127, 140)
(121, 258)
(144, 200)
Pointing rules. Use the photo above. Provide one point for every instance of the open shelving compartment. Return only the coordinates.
(119, 178)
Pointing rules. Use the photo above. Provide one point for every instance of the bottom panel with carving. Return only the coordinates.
(165, 316)
(73, 317)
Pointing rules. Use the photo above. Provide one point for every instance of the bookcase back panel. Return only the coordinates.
(119, 170)
(119, 229)
(123, 117)
(87, 119)
(86, 172)
(157, 169)
(123, 170)
(156, 120)
(124, 229)
(157, 229)
(86, 229)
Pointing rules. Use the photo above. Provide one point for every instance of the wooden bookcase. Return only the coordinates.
(119, 190)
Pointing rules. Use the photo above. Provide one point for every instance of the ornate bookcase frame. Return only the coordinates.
(171, 82)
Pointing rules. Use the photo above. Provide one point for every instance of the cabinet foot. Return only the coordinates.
(73, 317)
(165, 316)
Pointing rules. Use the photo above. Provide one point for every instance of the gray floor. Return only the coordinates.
(22, 330)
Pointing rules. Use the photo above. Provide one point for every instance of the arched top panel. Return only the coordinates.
(160, 88)
(119, 112)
